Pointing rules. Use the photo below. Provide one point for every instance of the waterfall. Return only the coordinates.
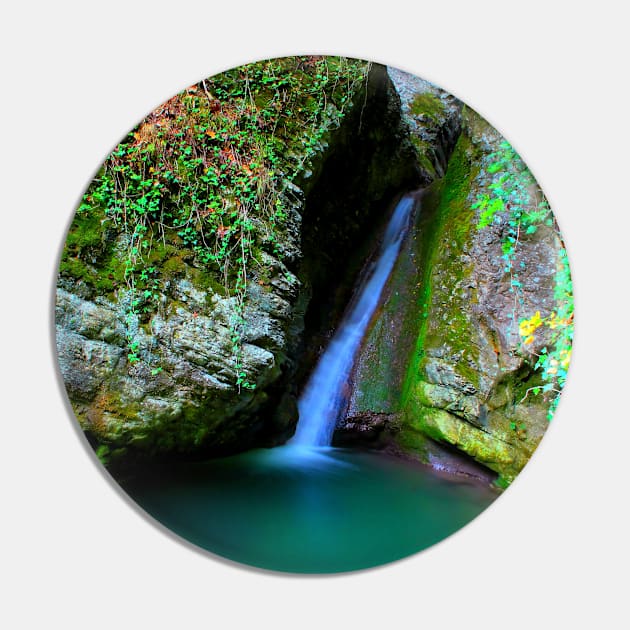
(323, 399)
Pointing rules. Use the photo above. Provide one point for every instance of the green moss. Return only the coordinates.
(458, 180)
(204, 279)
(442, 426)
(86, 230)
(425, 155)
(451, 329)
(429, 105)
(414, 441)
(162, 250)
(205, 175)
(451, 229)
(455, 234)
(102, 452)
(85, 237)
(513, 420)
(76, 268)
(89, 254)
(502, 482)
(174, 266)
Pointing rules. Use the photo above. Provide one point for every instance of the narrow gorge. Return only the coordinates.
(322, 244)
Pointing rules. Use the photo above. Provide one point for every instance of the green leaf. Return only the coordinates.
(496, 205)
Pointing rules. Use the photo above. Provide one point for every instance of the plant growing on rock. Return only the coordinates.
(206, 174)
(512, 196)
(553, 361)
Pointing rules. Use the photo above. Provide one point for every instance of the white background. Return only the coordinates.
(553, 551)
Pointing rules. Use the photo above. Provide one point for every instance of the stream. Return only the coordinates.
(322, 401)
(308, 507)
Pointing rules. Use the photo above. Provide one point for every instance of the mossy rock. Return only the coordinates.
(469, 383)
(428, 104)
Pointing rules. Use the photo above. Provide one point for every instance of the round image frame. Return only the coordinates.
(172, 336)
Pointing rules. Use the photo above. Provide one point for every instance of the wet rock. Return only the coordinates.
(444, 358)
(368, 429)
(468, 388)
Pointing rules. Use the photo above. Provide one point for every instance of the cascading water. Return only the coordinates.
(305, 507)
(323, 400)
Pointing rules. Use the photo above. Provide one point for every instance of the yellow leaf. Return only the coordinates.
(528, 326)
(565, 361)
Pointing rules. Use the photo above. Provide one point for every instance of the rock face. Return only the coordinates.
(126, 404)
(192, 402)
(457, 367)
(446, 363)
(433, 120)
(380, 371)
(371, 160)
(471, 380)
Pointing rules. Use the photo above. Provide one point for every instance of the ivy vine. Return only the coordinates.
(512, 197)
(204, 174)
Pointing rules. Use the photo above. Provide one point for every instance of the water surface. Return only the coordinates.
(309, 510)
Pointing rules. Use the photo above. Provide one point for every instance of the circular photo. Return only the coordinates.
(313, 314)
